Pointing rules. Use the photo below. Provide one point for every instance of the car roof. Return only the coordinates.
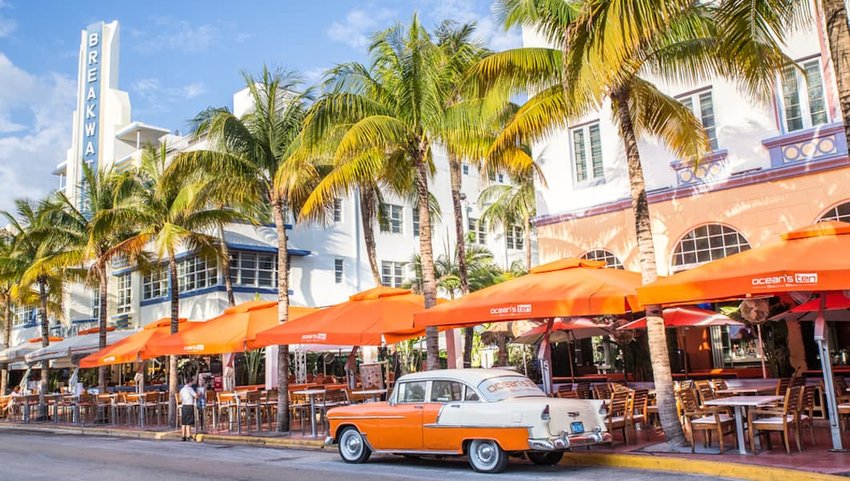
(472, 376)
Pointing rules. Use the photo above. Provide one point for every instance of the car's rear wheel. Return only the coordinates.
(353, 447)
(485, 456)
(545, 458)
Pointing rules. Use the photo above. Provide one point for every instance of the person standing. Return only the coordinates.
(187, 401)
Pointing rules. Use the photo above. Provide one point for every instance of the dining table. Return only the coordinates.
(745, 390)
(741, 404)
(311, 396)
(372, 394)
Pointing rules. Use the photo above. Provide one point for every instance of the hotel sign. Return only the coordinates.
(92, 73)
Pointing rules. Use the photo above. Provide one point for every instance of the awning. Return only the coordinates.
(71, 346)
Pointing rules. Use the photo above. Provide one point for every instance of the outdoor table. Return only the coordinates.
(739, 403)
(311, 395)
(370, 393)
(746, 391)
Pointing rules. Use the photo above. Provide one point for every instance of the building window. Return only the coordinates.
(803, 100)
(24, 315)
(514, 237)
(95, 303)
(337, 210)
(477, 231)
(707, 243)
(702, 106)
(465, 168)
(196, 273)
(840, 212)
(500, 178)
(392, 218)
(125, 294)
(338, 271)
(253, 269)
(415, 217)
(604, 255)
(587, 153)
(155, 283)
(392, 273)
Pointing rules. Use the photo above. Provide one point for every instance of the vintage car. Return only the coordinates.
(485, 414)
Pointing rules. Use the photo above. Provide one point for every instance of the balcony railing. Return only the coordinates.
(825, 142)
(712, 167)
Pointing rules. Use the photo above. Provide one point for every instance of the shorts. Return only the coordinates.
(187, 417)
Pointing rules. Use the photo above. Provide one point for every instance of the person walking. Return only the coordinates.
(187, 401)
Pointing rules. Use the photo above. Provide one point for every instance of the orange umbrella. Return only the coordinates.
(368, 318)
(813, 259)
(565, 288)
(687, 317)
(563, 330)
(229, 332)
(130, 349)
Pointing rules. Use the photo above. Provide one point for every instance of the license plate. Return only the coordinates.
(577, 427)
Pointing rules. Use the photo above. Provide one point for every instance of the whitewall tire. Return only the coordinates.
(353, 447)
(485, 456)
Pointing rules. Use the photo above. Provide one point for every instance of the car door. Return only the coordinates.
(444, 395)
(400, 426)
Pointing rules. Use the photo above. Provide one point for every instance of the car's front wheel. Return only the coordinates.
(545, 458)
(485, 456)
(353, 447)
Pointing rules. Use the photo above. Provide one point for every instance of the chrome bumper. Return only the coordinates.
(329, 441)
(563, 442)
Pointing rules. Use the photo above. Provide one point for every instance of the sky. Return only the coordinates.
(177, 58)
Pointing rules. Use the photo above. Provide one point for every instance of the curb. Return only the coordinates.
(748, 472)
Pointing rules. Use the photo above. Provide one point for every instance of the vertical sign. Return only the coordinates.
(90, 115)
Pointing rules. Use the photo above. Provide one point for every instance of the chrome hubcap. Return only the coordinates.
(352, 444)
(486, 453)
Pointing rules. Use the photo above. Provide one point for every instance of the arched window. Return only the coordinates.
(707, 243)
(604, 255)
(839, 212)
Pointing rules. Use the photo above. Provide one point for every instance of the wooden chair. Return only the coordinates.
(253, 409)
(565, 392)
(640, 407)
(807, 410)
(226, 408)
(270, 406)
(619, 414)
(842, 400)
(719, 385)
(299, 407)
(782, 419)
(602, 391)
(583, 390)
(704, 418)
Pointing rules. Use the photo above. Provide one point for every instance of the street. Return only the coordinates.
(38, 456)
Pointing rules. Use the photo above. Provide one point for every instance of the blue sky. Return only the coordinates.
(176, 59)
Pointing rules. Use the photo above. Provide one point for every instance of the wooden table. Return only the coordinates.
(311, 395)
(739, 403)
(370, 393)
(746, 391)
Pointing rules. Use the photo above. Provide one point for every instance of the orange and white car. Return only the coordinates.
(486, 414)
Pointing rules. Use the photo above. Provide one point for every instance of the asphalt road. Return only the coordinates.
(49, 457)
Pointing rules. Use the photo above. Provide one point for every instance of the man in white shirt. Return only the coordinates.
(187, 400)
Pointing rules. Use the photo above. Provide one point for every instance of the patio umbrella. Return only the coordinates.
(229, 332)
(130, 349)
(566, 288)
(563, 330)
(810, 259)
(368, 318)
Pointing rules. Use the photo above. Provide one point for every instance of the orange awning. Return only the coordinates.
(814, 258)
(687, 317)
(565, 288)
(368, 318)
(229, 332)
(130, 349)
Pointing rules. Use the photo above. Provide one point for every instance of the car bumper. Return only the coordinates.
(329, 441)
(560, 443)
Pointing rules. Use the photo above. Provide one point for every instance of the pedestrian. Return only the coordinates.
(13, 400)
(187, 400)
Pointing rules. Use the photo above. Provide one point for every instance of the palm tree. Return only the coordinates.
(92, 238)
(604, 50)
(390, 114)
(170, 211)
(261, 157)
(8, 277)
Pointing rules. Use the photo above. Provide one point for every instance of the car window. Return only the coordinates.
(411, 392)
(505, 387)
(446, 391)
(471, 395)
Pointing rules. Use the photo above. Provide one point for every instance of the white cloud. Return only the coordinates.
(358, 26)
(7, 25)
(157, 98)
(170, 34)
(488, 30)
(41, 107)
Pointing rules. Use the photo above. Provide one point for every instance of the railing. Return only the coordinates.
(712, 167)
(825, 142)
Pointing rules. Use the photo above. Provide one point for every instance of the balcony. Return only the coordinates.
(711, 168)
(821, 143)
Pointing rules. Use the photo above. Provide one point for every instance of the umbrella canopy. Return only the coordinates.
(563, 330)
(229, 332)
(834, 301)
(130, 349)
(66, 348)
(810, 259)
(368, 318)
(510, 329)
(565, 288)
(17, 353)
(687, 317)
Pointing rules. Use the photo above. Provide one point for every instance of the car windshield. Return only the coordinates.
(505, 387)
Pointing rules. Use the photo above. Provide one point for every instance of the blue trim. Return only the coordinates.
(270, 224)
(83, 321)
(28, 325)
(236, 247)
(207, 290)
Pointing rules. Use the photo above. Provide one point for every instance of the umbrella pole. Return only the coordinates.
(544, 355)
(826, 366)
(570, 356)
(761, 352)
(685, 349)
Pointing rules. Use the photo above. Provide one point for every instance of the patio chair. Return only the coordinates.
(299, 407)
(252, 407)
(782, 419)
(270, 406)
(619, 414)
(706, 393)
(807, 410)
(640, 406)
(842, 400)
(566, 392)
(719, 384)
(226, 408)
(704, 418)
(602, 391)
(332, 398)
(583, 390)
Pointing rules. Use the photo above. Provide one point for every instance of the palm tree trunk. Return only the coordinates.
(526, 239)
(45, 341)
(367, 219)
(101, 323)
(838, 33)
(7, 339)
(282, 314)
(460, 248)
(646, 250)
(225, 268)
(175, 326)
(426, 255)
